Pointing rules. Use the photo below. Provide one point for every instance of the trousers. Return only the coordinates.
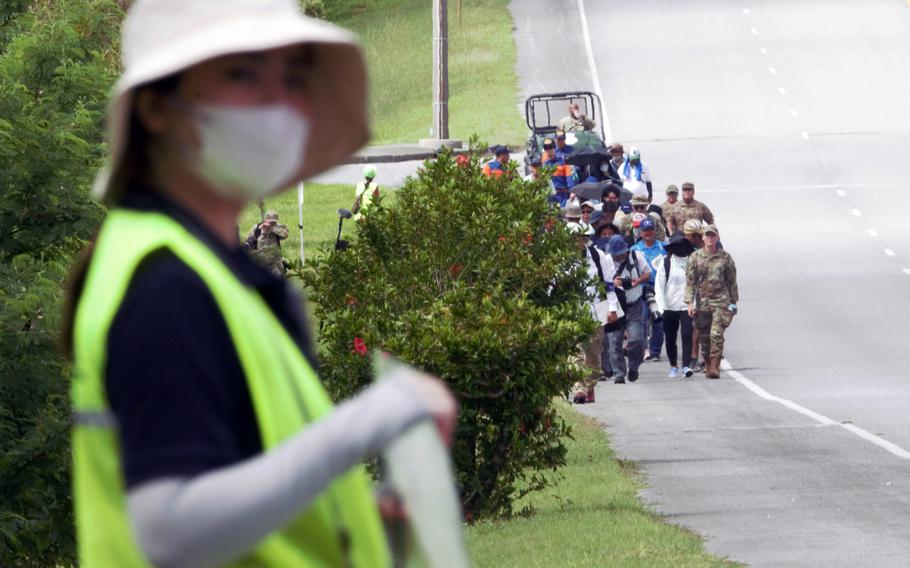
(631, 327)
(711, 323)
(654, 330)
(676, 321)
(588, 357)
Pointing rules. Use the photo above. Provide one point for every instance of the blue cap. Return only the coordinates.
(647, 225)
(617, 246)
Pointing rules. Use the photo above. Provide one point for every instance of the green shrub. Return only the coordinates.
(471, 279)
(57, 61)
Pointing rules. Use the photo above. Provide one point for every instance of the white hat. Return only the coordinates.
(580, 229)
(634, 153)
(163, 37)
(590, 203)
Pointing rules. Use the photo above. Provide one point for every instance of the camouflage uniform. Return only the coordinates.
(711, 284)
(626, 228)
(267, 247)
(667, 208)
(682, 212)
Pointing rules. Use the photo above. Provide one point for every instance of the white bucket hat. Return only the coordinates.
(163, 37)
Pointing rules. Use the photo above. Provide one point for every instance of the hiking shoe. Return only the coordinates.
(688, 372)
(674, 373)
(633, 376)
(603, 378)
(619, 381)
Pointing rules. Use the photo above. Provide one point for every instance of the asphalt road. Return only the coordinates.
(793, 120)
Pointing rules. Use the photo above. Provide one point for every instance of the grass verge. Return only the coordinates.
(483, 86)
(592, 517)
(320, 217)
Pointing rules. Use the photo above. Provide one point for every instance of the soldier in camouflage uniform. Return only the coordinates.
(264, 242)
(688, 209)
(672, 199)
(711, 294)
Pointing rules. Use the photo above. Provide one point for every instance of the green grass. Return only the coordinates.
(320, 217)
(592, 517)
(483, 87)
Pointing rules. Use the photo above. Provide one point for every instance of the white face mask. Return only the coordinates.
(249, 152)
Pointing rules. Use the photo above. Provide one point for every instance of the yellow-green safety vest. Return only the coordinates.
(340, 528)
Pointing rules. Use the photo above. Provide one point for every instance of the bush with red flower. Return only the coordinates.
(468, 278)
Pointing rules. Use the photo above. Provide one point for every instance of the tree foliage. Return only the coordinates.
(57, 62)
(471, 279)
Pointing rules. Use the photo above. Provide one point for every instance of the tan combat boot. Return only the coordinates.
(713, 370)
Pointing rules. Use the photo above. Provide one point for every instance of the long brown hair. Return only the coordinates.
(133, 170)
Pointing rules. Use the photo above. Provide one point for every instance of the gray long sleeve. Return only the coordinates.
(215, 517)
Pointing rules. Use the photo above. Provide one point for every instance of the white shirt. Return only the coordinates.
(670, 293)
(641, 266)
(645, 172)
(605, 263)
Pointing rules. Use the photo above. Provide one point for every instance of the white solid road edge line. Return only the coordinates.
(594, 75)
(824, 420)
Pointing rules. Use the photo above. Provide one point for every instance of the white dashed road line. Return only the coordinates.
(820, 418)
(739, 377)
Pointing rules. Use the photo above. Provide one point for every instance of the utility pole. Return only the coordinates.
(440, 69)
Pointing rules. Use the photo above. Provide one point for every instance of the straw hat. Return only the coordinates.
(163, 37)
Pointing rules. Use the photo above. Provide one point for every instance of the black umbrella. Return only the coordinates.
(587, 156)
(590, 190)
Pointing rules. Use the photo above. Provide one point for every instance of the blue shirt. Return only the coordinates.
(564, 151)
(650, 252)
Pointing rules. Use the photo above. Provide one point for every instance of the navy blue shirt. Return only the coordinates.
(173, 377)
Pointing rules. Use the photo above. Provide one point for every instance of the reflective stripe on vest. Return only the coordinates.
(340, 528)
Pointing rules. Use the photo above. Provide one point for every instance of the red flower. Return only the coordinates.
(360, 348)
(455, 270)
(502, 238)
(527, 239)
(549, 224)
(462, 161)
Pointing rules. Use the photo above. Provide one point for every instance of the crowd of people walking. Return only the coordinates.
(661, 276)
(659, 273)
